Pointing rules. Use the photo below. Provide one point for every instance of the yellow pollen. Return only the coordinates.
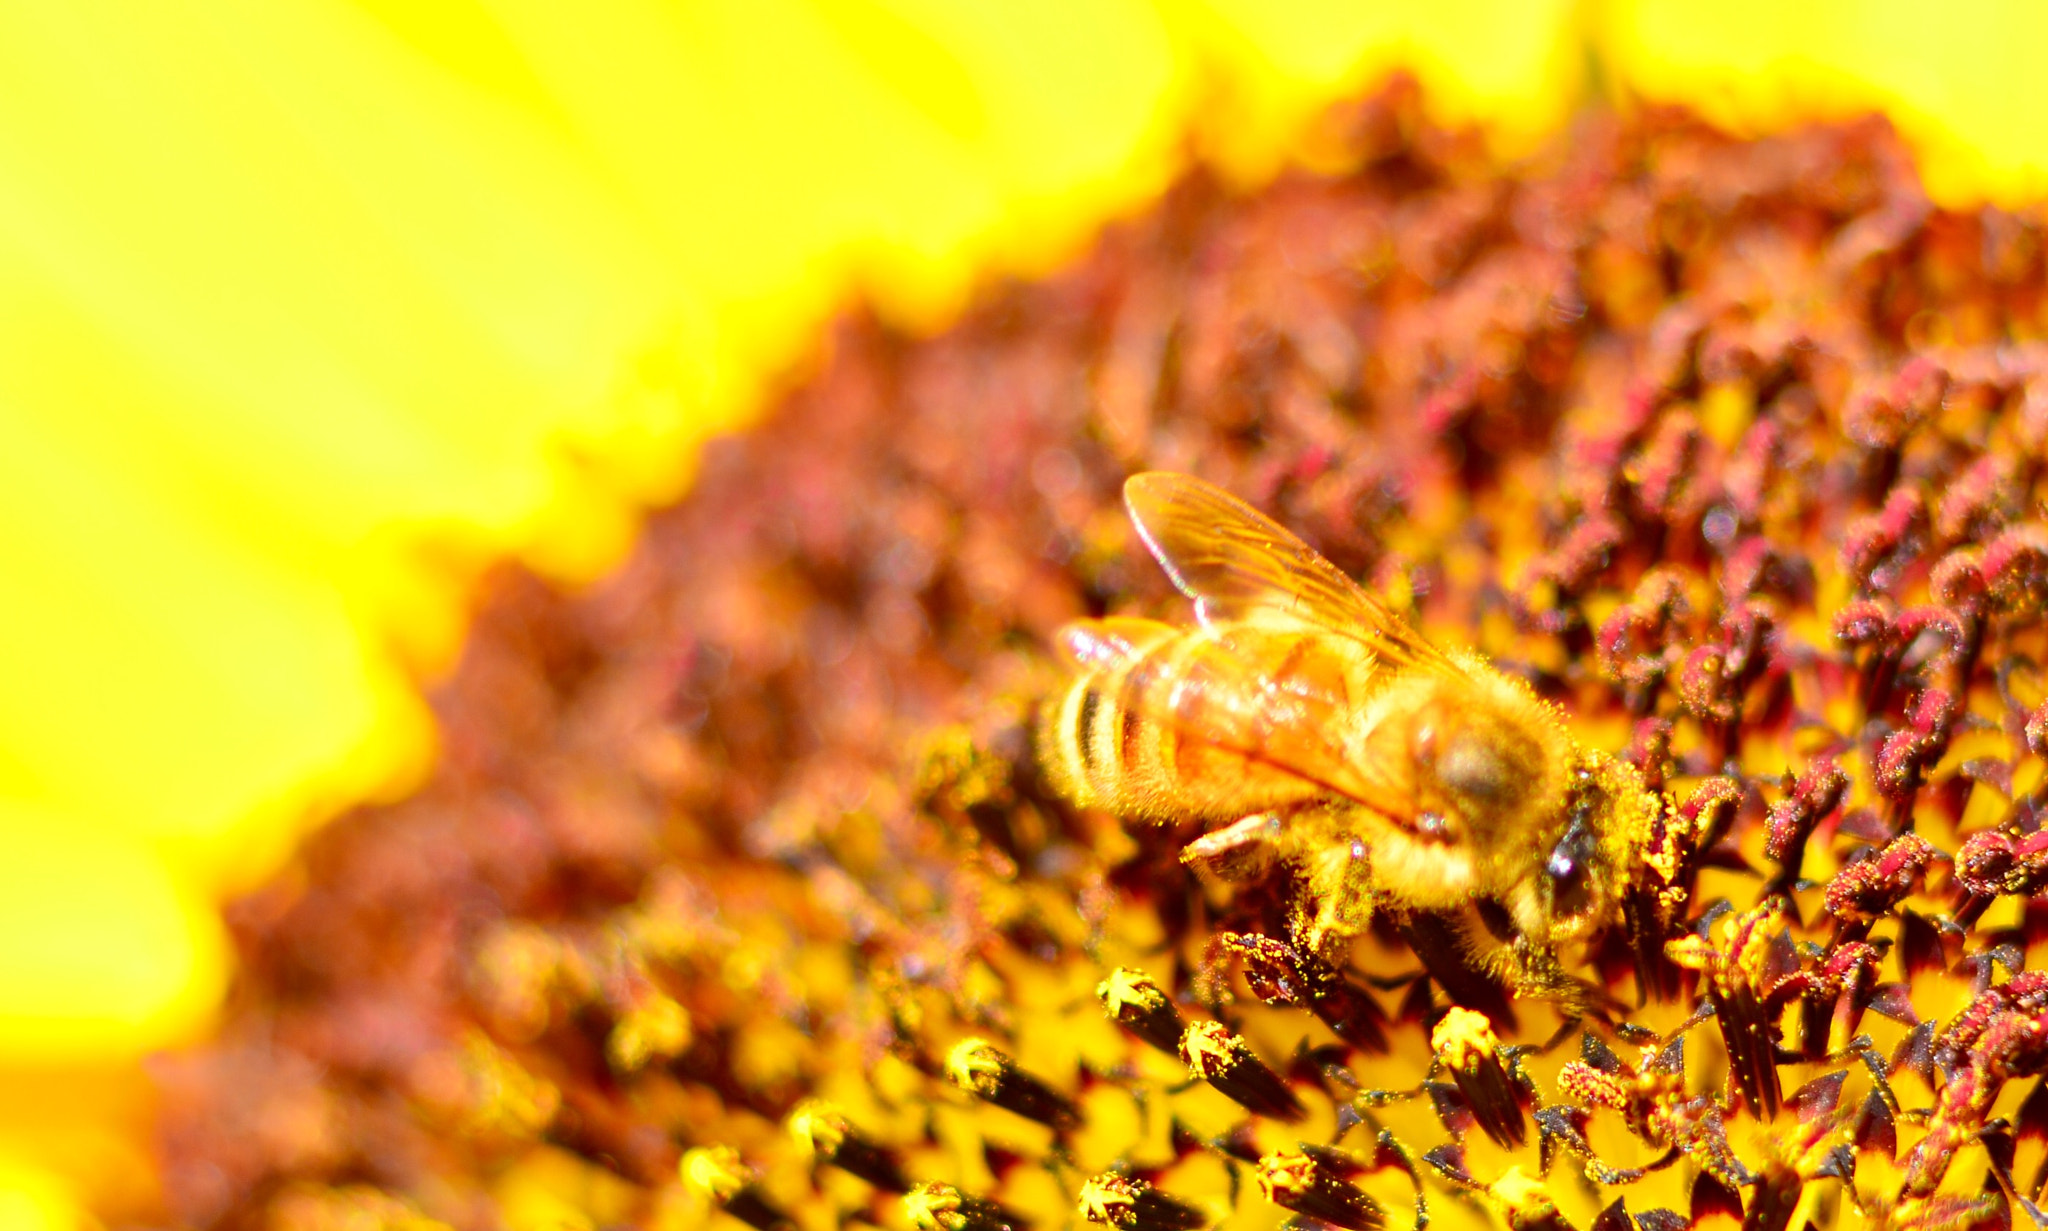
(976, 1066)
(1464, 1039)
(1209, 1048)
(714, 1172)
(818, 1126)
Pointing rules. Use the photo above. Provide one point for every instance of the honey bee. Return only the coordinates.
(1324, 733)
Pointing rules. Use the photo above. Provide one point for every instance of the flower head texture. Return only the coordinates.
(740, 894)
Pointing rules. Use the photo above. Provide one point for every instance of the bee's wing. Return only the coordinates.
(1215, 697)
(1240, 565)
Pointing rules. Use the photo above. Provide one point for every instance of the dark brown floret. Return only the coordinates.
(1131, 1204)
(1311, 1182)
(716, 1175)
(1749, 966)
(824, 1130)
(2015, 566)
(942, 1207)
(1490, 1077)
(1813, 796)
(1216, 1054)
(1136, 1002)
(1660, 900)
(983, 1070)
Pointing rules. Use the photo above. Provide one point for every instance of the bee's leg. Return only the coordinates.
(1334, 899)
(1240, 851)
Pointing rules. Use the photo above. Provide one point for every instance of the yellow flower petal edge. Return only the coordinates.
(1957, 79)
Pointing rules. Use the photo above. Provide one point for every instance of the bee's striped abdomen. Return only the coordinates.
(1166, 722)
(1090, 736)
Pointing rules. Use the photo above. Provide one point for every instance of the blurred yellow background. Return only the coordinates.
(313, 308)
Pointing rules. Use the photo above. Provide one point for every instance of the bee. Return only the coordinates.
(1322, 733)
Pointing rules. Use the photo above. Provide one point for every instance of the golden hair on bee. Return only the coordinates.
(1318, 730)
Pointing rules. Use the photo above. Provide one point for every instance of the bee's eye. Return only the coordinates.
(1568, 870)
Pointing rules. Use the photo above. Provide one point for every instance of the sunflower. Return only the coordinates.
(502, 269)
(741, 892)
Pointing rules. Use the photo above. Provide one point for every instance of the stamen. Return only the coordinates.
(823, 1129)
(979, 1068)
(1131, 1204)
(1134, 1001)
(1223, 1059)
(1465, 1044)
(1307, 1183)
(942, 1207)
(716, 1174)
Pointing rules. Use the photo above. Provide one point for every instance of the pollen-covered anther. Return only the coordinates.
(1281, 974)
(823, 1130)
(1868, 626)
(2036, 730)
(1544, 596)
(1222, 1058)
(942, 1207)
(717, 1174)
(1957, 580)
(1749, 965)
(1876, 549)
(1648, 1095)
(1649, 750)
(1959, 1039)
(1905, 756)
(1836, 993)
(1635, 642)
(1872, 419)
(1697, 1128)
(1680, 836)
(1133, 1000)
(1815, 794)
(1659, 899)
(1309, 1183)
(2007, 1043)
(1862, 623)
(1663, 471)
(1465, 1044)
(2016, 570)
(1952, 1212)
(1580, 1082)
(1704, 684)
(2001, 1034)
(981, 1069)
(1131, 1204)
(1871, 888)
(1992, 863)
(1977, 501)
(1749, 631)
(1755, 564)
